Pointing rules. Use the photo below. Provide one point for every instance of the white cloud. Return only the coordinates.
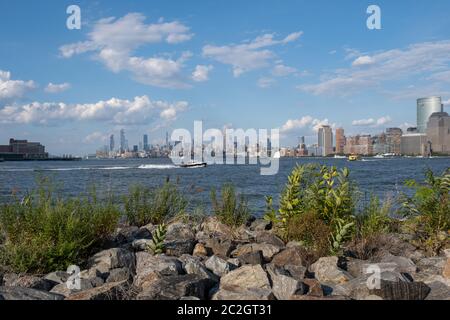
(201, 73)
(372, 122)
(265, 82)
(281, 70)
(304, 125)
(95, 137)
(10, 89)
(446, 102)
(57, 88)
(247, 56)
(362, 61)
(113, 42)
(428, 58)
(141, 110)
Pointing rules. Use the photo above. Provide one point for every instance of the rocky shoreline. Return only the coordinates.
(211, 261)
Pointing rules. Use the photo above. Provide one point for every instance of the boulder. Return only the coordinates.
(62, 288)
(32, 282)
(260, 225)
(251, 258)
(112, 259)
(402, 290)
(446, 270)
(220, 247)
(219, 266)
(283, 286)
(177, 248)
(119, 275)
(439, 291)
(326, 271)
(175, 287)
(21, 293)
(404, 265)
(268, 250)
(238, 293)
(290, 256)
(147, 265)
(270, 238)
(180, 239)
(313, 287)
(246, 277)
(125, 235)
(109, 291)
(193, 265)
(141, 244)
(201, 251)
(58, 277)
(295, 271)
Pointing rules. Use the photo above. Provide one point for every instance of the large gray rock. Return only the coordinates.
(219, 266)
(141, 244)
(180, 239)
(268, 250)
(220, 247)
(290, 256)
(119, 275)
(175, 287)
(404, 265)
(402, 290)
(109, 291)
(284, 286)
(21, 293)
(63, 289)
(112, 259)
(213, 226)
(326, 271)
(147, 265)
(439, 291)
(260, 225)
(246, 277)
(33, 282)
(251, 258)
(239, 293)
(193, 265)
(58, 277)
(270, 238)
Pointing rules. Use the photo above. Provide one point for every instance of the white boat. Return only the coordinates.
(277, 155)
(340, 157)
(193, 164)
(379, 156)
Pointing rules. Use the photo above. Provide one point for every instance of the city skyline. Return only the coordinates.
(293, 66)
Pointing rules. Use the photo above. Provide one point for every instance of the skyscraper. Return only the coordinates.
(167, 139)
(394, 140)
(325, 137)
(425, 108)
(123, 141)
(438, 132)
(340, 141)
(145, 142)
(111, 143)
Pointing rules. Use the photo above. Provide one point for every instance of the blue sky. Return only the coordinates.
(152, 66)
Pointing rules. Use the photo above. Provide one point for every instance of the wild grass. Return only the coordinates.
(231, 208)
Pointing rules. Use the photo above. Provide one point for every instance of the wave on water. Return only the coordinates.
(114, 168)
(157, 166)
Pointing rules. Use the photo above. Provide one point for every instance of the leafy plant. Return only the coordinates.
(158, 238)
(428, 210)
(342, 233)
(232, 209)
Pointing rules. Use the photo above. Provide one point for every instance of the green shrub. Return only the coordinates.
(374, 218)
(158, 238)
(232, 209)
(143, 206)
(43, 232)
(319, 190)
(428, 210)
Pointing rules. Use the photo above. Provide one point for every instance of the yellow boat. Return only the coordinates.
(354, 157)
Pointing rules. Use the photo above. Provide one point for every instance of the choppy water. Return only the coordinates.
(384, 177)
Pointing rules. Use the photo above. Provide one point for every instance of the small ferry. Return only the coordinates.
(354, 157)
(193, 164)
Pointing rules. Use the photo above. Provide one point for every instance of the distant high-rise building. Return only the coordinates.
(146, 142)
(325, 139)
(167, 139)
(340, 140)
(394, 140)
(135, 148)
(438, 132)
(123, 141)
(361, 145)
(111, 143)
(425, 108)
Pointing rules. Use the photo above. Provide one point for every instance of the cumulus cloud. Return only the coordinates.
(57, 88)
(281, 70)
(305, 125)
(372, 122)
(201, 73)
(265, 82)
(140, 110)
(113, 42)
(250, 55)
(427, 58)
(95, 137)
(11, 89)
(446, 102)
